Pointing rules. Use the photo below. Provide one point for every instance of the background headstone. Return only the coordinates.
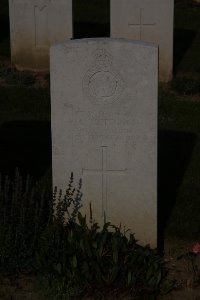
(146, 20)
(104, 129)
(34, 26)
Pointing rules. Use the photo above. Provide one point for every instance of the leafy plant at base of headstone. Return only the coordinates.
(53, 239)
(90, 260)
(65, 208)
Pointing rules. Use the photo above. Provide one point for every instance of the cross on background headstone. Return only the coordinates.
(141, 23)
(146, 20)
(41, 25)
(34, 26)
(104, 172)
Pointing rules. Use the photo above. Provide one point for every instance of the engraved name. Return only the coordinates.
(100, 122)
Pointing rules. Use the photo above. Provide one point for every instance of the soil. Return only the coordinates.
(19, 288)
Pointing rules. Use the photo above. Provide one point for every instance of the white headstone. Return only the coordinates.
(34, 26)
(104, 129)
(146, 20)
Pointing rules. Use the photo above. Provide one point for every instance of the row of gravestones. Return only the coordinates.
(36, 24)
(103, 103)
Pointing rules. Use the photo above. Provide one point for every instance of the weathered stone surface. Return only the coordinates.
(34, 26)
(147, 20)
(104, 128)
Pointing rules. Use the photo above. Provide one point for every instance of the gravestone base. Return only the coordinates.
(31, 60)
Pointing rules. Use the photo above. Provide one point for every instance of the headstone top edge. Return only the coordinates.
(106, 40)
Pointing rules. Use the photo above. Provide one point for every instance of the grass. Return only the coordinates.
(25, 132)
(179, 130)
(187, 38)
(179, 127)
(179, 165)
(27, 104)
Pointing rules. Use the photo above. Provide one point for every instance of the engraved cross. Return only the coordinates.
(141, 23)
(41, 23)
(104, 172)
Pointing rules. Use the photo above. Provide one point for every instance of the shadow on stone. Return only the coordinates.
(26, 146)
(183, 38)
(174, 152)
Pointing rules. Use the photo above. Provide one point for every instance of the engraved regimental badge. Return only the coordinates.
(101, 83)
